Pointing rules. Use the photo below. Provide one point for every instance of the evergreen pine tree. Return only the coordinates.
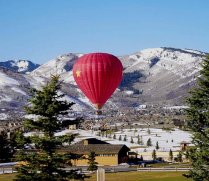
(120, 138)
(198, 123)
(138, 140)
(179, 157)
(157, 146)
(154, 155)
(187, 154)
(6, 151)
(149, 142)
(171, 155)
(125, 138)
(92, 164)
(132, 141)
(141, 141)
(138, 136)
(141, 158)
(44, 162)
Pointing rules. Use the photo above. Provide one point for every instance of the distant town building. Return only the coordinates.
(73, 127)
(184, 145)
(178, 123)
(132, 154)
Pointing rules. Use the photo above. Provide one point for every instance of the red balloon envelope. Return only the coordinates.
(98, 75)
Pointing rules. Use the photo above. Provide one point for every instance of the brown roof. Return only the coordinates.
(91, 141)
(132, 153)
(97, 148)
(185, 142)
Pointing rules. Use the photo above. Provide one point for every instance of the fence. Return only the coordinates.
(163, 169)
(4, 170)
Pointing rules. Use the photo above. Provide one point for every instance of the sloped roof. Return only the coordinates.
(97, 148)
(91, 141)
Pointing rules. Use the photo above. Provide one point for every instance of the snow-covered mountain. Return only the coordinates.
(160, 76)
(14, 91)
(22, 66)
(154, 76)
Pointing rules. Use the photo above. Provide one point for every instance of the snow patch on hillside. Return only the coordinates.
(5, 98)
(23, 65)
(5, 80)
(18, 90)
(3, 116)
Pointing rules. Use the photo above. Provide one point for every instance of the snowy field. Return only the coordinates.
(167, 139)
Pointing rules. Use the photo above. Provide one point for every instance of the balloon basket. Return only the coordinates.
(98, 112)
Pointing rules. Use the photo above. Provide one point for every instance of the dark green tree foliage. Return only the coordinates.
(44, 163)
(125, 138)
(18, 141)
(186, 154)
(142, 141)
(157, 146)
(92, 164)
(154, 155)
(5, 148)
(198, 122)
(138, 140)
(149, 142)
(132, 140)
(171, 155)
(141, 158)
(179, 157)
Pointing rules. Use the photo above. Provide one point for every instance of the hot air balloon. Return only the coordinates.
(98, 75)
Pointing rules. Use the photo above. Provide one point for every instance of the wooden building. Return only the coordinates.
(106, 154)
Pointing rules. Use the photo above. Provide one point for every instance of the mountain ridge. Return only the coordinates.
(21, 66)
(155, 76)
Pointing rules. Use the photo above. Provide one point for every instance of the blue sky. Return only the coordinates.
(40, 30)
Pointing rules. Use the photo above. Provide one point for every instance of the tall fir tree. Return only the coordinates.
(141, 140)
(6, 150)
(44, 162)
(157, 146)
(138, 140)
(179, 157)
(171, 155)
(198, 122)
(154, 154)
(149, 142)
(125, 138)
(92, 164)
(132, 140)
